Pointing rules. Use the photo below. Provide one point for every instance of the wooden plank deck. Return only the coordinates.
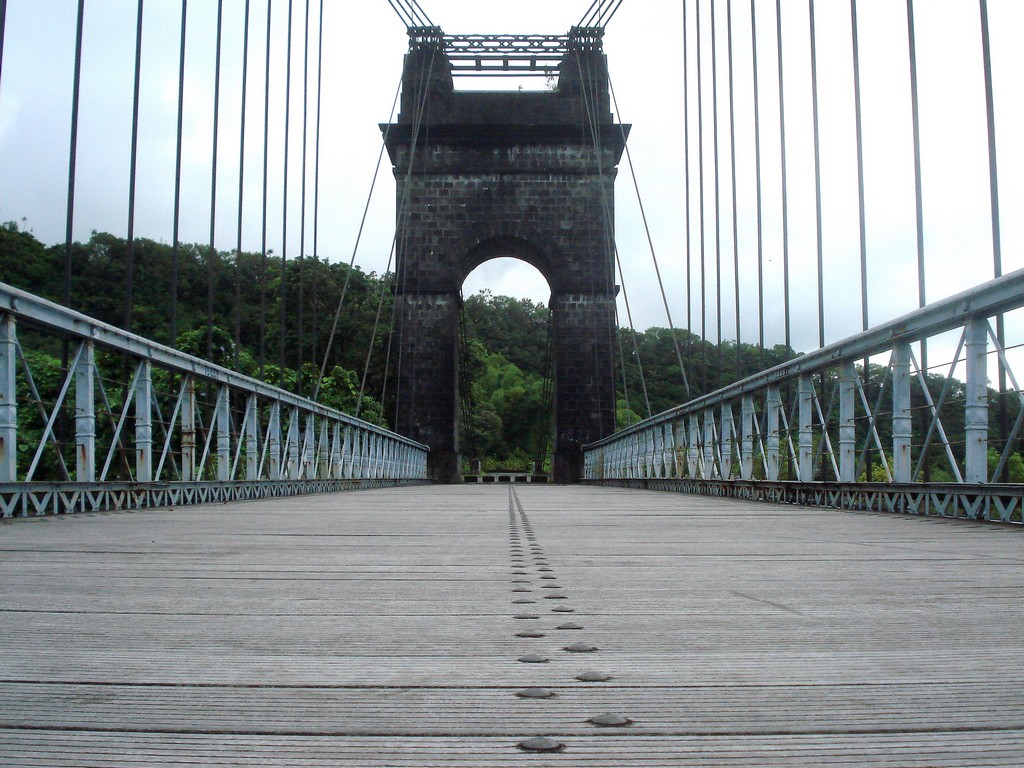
(378, 628)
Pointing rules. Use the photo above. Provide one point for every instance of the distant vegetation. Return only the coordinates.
(229, 311)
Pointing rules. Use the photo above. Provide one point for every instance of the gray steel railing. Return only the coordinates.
(124, 422)
(803, 431)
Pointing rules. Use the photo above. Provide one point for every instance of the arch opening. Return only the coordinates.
(505, 371)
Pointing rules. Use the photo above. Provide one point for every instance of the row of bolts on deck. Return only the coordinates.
(520, 587)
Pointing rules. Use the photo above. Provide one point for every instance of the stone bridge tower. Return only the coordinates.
(523, 174)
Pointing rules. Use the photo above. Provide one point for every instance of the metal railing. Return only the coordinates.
(93, 417)
(810, 431)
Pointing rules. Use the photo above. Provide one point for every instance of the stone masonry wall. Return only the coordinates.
(534, 187)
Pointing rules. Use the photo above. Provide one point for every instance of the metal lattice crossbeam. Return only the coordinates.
(506, 54)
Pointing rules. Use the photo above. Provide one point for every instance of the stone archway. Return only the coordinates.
(481, 174)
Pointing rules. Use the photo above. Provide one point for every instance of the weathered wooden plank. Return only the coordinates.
(112, 750)
(377, 628)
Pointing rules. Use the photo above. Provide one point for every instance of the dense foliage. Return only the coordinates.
(230, 310)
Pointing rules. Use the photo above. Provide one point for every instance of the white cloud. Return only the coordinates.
(362, 60)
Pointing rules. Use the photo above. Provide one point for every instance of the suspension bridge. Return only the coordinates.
(216, 557)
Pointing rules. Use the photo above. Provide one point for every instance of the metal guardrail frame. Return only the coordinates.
(281, 444)
(702, 447)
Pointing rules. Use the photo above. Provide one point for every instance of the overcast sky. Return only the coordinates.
(362, 62)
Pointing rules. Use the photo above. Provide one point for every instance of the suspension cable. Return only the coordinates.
(784, 184)
(177, 176)
(417, 117)
(599, 13)
(410, 12)
(590, 111)
(732, 170)
(622, 365)
(300, 314)
(633, 334)
(993, 179)
(718, 201)
(355, 249)
(759, 201)
(283, 293)
(590, 13)
(241, 183)
(859, 125)
(686, 185)
(129, 270)
(701, 210)
(3, 25)
(547, 392)
(266, 162)
(402, 230)
(211, 255)
(915, 114)
(316, 176)
(468, 402)
(817, 174)
(650, 244)
(373, 334)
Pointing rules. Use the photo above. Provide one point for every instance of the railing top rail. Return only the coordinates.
(47, 315)
(1002, 294)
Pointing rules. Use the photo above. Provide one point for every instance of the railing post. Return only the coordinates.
(847, 426)
(8, 399)
(144, 423)
(293, 444)
(805, 434)
(636, 463)
(747, 417)
(308, 436)
(727, 440)
(772, 406)
(902, 423)
(335, 472)
(346, 453)
(274, 442)
(85, 414)
(709, 443)
(976, 401)
(667, 454)
(223, 434)
(323, 456)
(188, 430)
(693, 447)
(648, 453)
(357, 453)
(679, 445)
(252, 428)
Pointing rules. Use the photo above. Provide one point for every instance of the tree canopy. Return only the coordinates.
(230, 308)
